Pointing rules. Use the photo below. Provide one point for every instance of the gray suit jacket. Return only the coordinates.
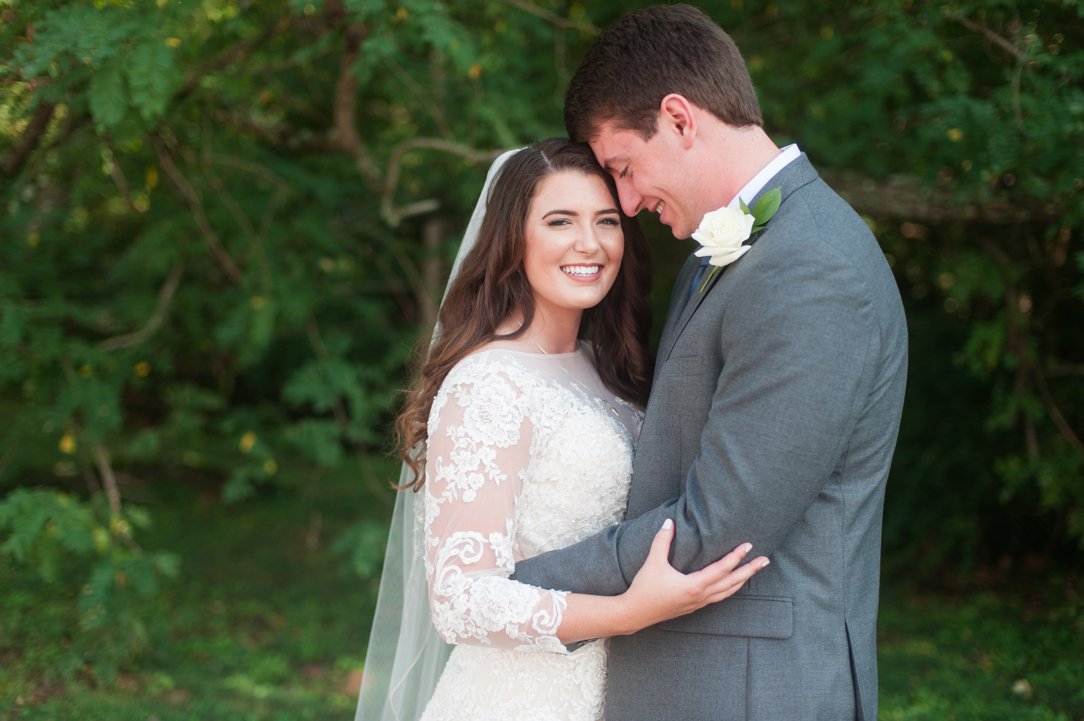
(772, 419)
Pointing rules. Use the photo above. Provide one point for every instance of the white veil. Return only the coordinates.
(406, 655)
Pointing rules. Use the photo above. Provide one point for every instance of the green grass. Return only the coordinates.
(985, 655)
(267, 622)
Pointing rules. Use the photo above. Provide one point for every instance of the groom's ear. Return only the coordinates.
(676, 116)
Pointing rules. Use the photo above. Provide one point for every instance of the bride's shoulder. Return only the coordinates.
(485, 379)
(490, 363)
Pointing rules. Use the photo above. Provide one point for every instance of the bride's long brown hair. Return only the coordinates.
(492, 285)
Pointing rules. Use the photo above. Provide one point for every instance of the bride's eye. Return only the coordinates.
(610, 221)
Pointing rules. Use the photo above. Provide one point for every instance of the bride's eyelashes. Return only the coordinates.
(608, 221)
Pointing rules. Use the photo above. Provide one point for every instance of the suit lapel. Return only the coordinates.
(798, 173)
(679, 299)
(686, 314)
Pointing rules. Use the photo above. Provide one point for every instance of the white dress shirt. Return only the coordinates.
(769, 171)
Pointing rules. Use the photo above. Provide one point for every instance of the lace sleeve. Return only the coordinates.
(478, 451)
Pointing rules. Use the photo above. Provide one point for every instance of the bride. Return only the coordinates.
(526, 412)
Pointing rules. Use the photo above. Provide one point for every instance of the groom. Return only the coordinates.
(776, 401)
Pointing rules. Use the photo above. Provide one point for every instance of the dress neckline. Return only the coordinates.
(533, 354)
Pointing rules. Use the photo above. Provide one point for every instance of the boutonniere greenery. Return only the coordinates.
(723, 232)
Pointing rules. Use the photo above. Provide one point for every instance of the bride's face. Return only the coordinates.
(574, 243)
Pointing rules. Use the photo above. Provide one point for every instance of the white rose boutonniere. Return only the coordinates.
(723, 232)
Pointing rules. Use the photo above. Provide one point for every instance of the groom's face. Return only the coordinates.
(650, 175)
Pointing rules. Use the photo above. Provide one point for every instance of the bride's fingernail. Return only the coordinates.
(667, 524)
(747, 548)
(764, 563)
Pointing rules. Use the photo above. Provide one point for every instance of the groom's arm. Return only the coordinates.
(801, 352)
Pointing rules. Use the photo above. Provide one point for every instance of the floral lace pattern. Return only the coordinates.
(526, 453)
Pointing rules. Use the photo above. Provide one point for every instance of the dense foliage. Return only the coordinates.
(226, 223)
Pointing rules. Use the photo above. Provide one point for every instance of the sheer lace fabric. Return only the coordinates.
(526, 453)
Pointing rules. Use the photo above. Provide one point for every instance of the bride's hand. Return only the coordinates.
(660, 592)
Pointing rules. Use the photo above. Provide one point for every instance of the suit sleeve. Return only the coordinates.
(798, 353)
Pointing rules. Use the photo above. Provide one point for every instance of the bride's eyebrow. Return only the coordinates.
(605, 211)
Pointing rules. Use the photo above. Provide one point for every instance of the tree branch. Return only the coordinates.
(1057, 416)
(119, 178)
(1063, 370)
(196, 204)
(344, 131)
(993, 37)
(228, 56)
(165, 297)
(109, 480)
(394, 215)
(1021, 55)
(906, 199)
(28, 141)
(584, 26)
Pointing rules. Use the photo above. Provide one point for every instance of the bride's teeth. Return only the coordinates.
(658, 208)
(580, 269)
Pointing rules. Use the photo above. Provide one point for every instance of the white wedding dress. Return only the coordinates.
(526, 453)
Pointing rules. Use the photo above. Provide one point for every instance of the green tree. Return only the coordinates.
(964, 117)
(226, 224)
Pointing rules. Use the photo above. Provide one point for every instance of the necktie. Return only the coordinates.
(698, 277)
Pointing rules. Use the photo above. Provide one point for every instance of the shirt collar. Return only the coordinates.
(769, 171)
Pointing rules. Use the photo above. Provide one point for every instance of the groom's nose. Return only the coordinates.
(630, 199)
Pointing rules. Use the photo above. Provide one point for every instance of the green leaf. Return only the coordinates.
(320, 440)
(150, 75)
(766, 207)
(240, 485)
(107, 98)
(41, 524)
(363, 544)
(167, 564)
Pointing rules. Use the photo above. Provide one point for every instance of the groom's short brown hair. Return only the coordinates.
(646, 55)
